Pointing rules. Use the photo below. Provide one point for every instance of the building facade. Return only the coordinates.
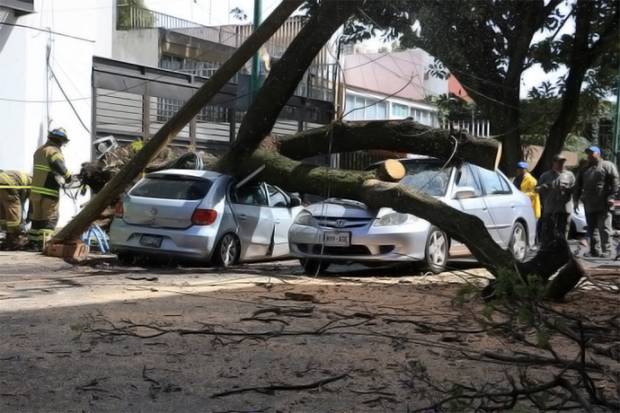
(100, 68)
(391, 85)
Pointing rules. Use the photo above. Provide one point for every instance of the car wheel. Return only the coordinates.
(436, 252)
(227, 252)
(518, 242)
(572, 232)
(125, 258)
(313, 266)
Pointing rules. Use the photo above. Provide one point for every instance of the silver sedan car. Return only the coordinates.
(339, 230)
(203, 215)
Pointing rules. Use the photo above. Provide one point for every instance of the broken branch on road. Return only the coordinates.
(271, 389)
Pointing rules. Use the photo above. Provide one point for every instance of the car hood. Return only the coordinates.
(335, 207)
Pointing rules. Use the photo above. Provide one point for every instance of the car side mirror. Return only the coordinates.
(295, 201)
(465, 192)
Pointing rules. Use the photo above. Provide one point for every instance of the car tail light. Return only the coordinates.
(204, 216)
(118, 209)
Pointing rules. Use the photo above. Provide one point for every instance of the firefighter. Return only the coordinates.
(14, 191)
(49, 174)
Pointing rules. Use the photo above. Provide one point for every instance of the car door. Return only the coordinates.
(283, 215)
(474, 205)
(249, 204)
(498, 199)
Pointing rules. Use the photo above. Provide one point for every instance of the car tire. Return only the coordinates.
(313, 266)
(227, 252)
(572, 232)
(125, 258)
(436, 251)
(518, 242)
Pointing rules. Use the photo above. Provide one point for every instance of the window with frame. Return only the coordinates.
(466, 178)
(493, 183)
(363, 108)
(277, 198)
(250, 194)
(400, 111)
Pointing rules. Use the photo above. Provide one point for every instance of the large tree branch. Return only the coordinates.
(397, 136)
(295, 176)
(289, 71)
(153, 146)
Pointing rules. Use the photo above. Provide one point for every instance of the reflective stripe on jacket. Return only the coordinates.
(49, 163)
(16, 183)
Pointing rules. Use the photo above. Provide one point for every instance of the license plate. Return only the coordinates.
(337, 239)
(153, 241)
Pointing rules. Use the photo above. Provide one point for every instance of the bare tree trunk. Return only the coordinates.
(286, 74)
(569, 109)
(191, 108)
(295, 176)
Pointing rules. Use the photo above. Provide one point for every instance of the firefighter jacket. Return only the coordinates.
(49, 165)
(16, 183)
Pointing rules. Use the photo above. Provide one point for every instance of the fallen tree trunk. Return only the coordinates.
(295, 176)
(399, 136)
(74, 229)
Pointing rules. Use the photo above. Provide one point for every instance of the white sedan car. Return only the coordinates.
(339, 230)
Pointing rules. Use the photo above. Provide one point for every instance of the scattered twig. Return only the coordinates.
(271, 389)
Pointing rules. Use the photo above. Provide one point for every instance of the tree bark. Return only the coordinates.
(286, 74)
(504, 120)
(295, 176)
(566, 279)
(119, 182)
(399, 136)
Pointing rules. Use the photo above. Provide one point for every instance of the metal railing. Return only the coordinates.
(130, 17)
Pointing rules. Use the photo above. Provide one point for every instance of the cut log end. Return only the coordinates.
(391, 170)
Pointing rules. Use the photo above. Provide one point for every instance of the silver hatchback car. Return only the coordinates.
(339, 230)
(203, 215)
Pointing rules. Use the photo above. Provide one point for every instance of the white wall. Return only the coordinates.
(137, 46)
(86, 28)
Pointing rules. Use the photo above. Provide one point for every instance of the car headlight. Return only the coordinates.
(394, 218)
(306, 218)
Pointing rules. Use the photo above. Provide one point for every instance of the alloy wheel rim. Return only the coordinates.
(518, 243)
(436, 248)
(229, 250)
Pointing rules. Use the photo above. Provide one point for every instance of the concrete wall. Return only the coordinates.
(31, 102)
(136, 46)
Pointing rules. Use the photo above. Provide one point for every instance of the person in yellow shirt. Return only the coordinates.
(526, 183)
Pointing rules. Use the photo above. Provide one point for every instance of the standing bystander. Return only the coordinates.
(526, 183)
(555, 188)
(597, 186)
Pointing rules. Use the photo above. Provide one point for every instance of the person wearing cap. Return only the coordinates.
(526, 183)
(597, 186)
(555, 188)
(49, 172)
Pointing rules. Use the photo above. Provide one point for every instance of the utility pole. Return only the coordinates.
(255, 79)
(615, 139)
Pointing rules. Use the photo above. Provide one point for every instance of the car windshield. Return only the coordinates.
(427, 177)
(172, 187)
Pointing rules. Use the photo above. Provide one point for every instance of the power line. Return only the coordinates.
(67, 98)
(40, 29)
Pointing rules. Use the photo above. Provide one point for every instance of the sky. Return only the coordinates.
(216, 12)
